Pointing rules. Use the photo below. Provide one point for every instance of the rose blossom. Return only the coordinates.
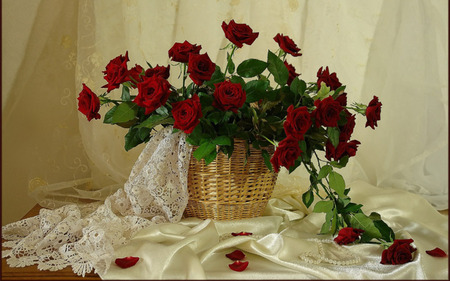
(116, 72)
(327, 112)
(162, 71)
(200, 68)
(343, 149)
(135, 74)
(399, 252)
(152, 93)
(180, 51)
(187, 114)
(88, 103)
(229, 96)
(348, 235)
(286, 153)
(330, 80)
(239, 33)
(347, 129)
(298, 121)
(292, 73)
(373, 111)
(287, 45)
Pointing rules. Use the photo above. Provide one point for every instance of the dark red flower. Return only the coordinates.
(399, 252)
(187, 114)
(330, 80)
(292, 73)
(347, 129)
(298, 121)
(242, 233)
(437, 252)
(200, 68)
(327, 112)
(342, 99)
(239, 265)
(343, 149)
(136, 74)
(236, 255)
(126, 262)
(161, 71)
(229, 96)
(373, 112)
(88, 103)
(239, 33)
(286, 153)
(116, 72)
(180, 51)
(348, 235)
(286, 44)
(152, 93)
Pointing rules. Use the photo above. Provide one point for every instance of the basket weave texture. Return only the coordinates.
(230, 188)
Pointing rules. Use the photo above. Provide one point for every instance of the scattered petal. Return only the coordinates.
(236, 255)
(241, 233)
(437, 252)
(239, 265)
(127, 261)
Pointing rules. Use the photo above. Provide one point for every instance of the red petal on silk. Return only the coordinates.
(241, 233)
(239, 265)
(236, 255)
(437, 252)
(127, 262)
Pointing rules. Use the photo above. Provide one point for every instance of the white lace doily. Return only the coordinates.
(84, 237)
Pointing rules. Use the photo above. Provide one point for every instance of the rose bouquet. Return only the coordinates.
(264, 103)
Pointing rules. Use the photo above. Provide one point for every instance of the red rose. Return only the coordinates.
(229, 96)
(200, 68)
(342, 99)
(347, 129)
(239, 33)
(343, 149)
(298, 121)
(399, 252)
(348, 235)
(116, 72)
(180, 51)
(135, 74)
(373, 111)
(286, 153)
(152, 93)
(327, 112)
(187, 114)
(162, 71)
(330, 80)
(292, 73)
(286, 44)
(88, 103)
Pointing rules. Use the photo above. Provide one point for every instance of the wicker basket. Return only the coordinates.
(227, 189)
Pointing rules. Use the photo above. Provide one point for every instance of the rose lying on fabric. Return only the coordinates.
(373, 112)
(229, 96)
(437, 252)
(399, 252)
(239, 33)
(126, 262)
(187, 114)
(236, 255)
(239, 265)
(89, 103)
(287, 45)
(348, 235)
(242, 233)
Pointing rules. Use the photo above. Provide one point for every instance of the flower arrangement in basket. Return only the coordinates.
(262, 104)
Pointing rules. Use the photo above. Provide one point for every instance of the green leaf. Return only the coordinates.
(216, 77)
(266, 158)
(308, 198)
(108, 116)
(298, 86)
(333, 134)
(203, 150)
(231, 65)
(125, 93)
(324, 171)
(251, 67)
(132, 139)
(215, 116)
(144, 133)
(152, 121)
(337, 183)
(277, 68)
(236, 79)
(387, 234)
(352, 208)
(323, 207)
(222, 140)
(342, 162)
(323, 92)
(162, 110)
(255, 90)
(210, 157)
(361, 221)
(124, 112)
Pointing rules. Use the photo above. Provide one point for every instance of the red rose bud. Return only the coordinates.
(236, 255)
(286, 44)
(116, 72)
(437, 252)
(327, 112)
(286, 153)
(187, 114)
(292, 73)
(229, 96)
(373, 112)
(126, 262)
(330, 80)
(153, 92)
(161, 71)
(238, 265)
(200, 68)
(88, 103)
(239, 33)
(180, 51)
(399, 252)
(298, 122)
(241, 234)
(348, 235)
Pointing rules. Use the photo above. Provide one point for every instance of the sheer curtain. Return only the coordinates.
(396, 50)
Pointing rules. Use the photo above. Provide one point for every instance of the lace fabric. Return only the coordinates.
(84, 236)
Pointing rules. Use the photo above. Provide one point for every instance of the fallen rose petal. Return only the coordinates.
(126, 262)
(236, 255)
(241, 233)
(239, 265)
(436, 252)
